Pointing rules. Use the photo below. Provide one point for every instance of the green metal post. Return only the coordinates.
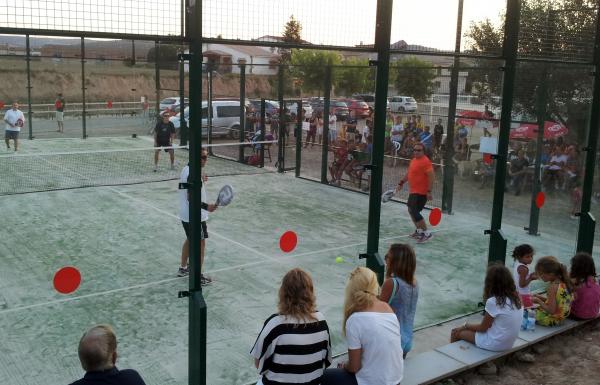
(197, 307)
(157, 78)
(242, 111)
(263, 128)
(585, 238)
(541, 107)
(183, 131)
(448, 186)
(210, 111)
(298, 135)
(280, 133)
(382, 46)
(83, 88)
(29, 111)
(325, 140)
(534, 211)
(497, 248)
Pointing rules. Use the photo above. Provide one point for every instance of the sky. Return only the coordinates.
(431, 23)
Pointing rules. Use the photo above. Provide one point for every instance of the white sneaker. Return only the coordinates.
(425, 237)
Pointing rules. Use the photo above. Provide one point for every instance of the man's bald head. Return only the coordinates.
(98, 348)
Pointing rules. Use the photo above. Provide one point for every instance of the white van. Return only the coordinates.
(225, 118)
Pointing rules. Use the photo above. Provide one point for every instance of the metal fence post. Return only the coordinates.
(497, 248)
(263, 128)
(183, 129)
(534, 212)
(585, 237)
(448, 185)
(29, 111)
(83, 88)
(325, 135)
(298, 136)
(197, 306)
(382, 46)
(243, 117)
(280, 130)
(210, 110)
(157, 78)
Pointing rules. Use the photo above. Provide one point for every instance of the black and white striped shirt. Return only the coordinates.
(291, 351)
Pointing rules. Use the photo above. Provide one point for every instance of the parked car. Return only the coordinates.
(172, 103)
(360, 108)
(271, 107)
(340, 109)
(225, 118)
(402, 104)
(308, 110)
(337, 107)
(367, 98)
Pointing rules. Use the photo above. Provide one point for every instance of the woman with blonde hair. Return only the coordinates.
(293, 346)
(372, 335)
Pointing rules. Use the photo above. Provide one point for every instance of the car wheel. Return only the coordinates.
(234, 132)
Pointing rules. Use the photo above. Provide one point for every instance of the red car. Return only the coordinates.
(360, 108)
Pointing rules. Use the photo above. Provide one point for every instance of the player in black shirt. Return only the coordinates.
(164, 133)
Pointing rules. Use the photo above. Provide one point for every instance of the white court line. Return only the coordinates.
(380, 239)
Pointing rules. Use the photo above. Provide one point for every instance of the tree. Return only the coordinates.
(291, 34)
(356, 77)
(414, 77)
(167, 56)
(563, 29)
(309, 66)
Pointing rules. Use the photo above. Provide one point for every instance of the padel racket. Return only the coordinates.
(225, 195)
(19, 123)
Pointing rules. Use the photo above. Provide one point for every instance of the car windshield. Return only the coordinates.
(411, 100)
(168, 101)
(339, 104)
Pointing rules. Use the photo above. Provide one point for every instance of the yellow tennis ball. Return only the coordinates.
(339, 260)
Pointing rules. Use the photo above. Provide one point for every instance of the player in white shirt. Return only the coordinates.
(184, 215)
(14, 119)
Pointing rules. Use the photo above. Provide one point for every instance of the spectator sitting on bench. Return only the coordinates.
(98, 356)
(372, 335)
(501, 323)
(556, 305)
(362, 157)
(340, 160)
(586, 304)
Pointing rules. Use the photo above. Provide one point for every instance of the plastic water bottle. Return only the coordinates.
(524, 320)
(531, 320)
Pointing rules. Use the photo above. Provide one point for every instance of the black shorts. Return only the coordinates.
(203, 229)
(416, 203)
(11, 134)
(164, 143)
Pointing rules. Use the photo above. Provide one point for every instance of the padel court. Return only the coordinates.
(125, 240)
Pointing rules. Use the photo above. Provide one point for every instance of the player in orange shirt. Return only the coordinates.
(420, 180)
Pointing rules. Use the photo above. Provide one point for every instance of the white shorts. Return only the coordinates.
(60, 116)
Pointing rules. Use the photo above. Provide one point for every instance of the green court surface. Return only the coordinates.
(126, 242)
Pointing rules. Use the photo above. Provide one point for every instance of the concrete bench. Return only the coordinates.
(451, 359)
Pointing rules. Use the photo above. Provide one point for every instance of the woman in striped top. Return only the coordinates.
(293, 346)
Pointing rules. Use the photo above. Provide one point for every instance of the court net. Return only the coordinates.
(36, 172)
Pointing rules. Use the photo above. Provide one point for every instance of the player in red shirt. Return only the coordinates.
(420, 179)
